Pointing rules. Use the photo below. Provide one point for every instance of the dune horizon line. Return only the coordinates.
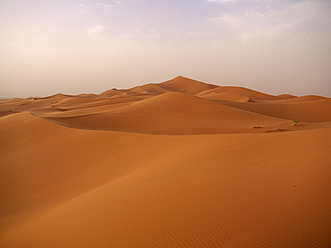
(156, 83)
(181, 164)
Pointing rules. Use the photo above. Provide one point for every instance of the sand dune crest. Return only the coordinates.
(176, 164)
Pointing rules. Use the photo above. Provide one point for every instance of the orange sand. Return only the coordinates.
(176, 164)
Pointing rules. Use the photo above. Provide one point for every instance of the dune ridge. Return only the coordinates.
(162, 191)
(176, 164)
(186, 114)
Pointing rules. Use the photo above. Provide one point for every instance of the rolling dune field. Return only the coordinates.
(176, 164)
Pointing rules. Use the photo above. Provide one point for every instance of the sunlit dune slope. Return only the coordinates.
(64, 187)
(175, 164)
(115, 98)
(56, 96)
(178, 84)
(148, 89)
(57, 103)
(252, 94)
(182, 84)
(78, 103)
(286, 96)
(226, 96)
(112, 93)
(306, 98)
(309, 111)
(172, 113)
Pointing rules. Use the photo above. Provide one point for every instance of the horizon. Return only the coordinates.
(179, 76)
(84, 46)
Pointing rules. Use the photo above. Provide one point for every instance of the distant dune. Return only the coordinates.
(240, 91)
(176, 164)
(211, 95)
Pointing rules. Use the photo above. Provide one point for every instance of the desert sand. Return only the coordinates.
(176, 164)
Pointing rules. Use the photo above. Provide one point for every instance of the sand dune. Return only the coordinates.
(173, 113)
(252, 94)
(6, 112)
(175, 164)
(309, 111)
(154, 89)
(22, 105)
(227, 97)
(135, 190)
(148, 89)
(113, 93)
(178, 84)
(54, 97)
(182, 84)
(306, 98)
(286, 96)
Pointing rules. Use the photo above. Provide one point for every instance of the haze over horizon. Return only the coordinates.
(82, 46)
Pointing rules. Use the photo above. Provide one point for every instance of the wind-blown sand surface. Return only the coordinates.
(176, 164)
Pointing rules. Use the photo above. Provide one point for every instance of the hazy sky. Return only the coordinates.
(82, 46)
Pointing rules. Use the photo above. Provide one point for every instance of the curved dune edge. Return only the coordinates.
(181, 164)
(65, 187)
(306, 111)
(251, 94)
(176, 113)
(226, 97)
(306, 98)
(56, 105)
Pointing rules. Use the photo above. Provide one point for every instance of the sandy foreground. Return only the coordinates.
(176, 164)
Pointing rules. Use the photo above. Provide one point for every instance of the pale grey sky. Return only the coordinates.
(84, 46)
